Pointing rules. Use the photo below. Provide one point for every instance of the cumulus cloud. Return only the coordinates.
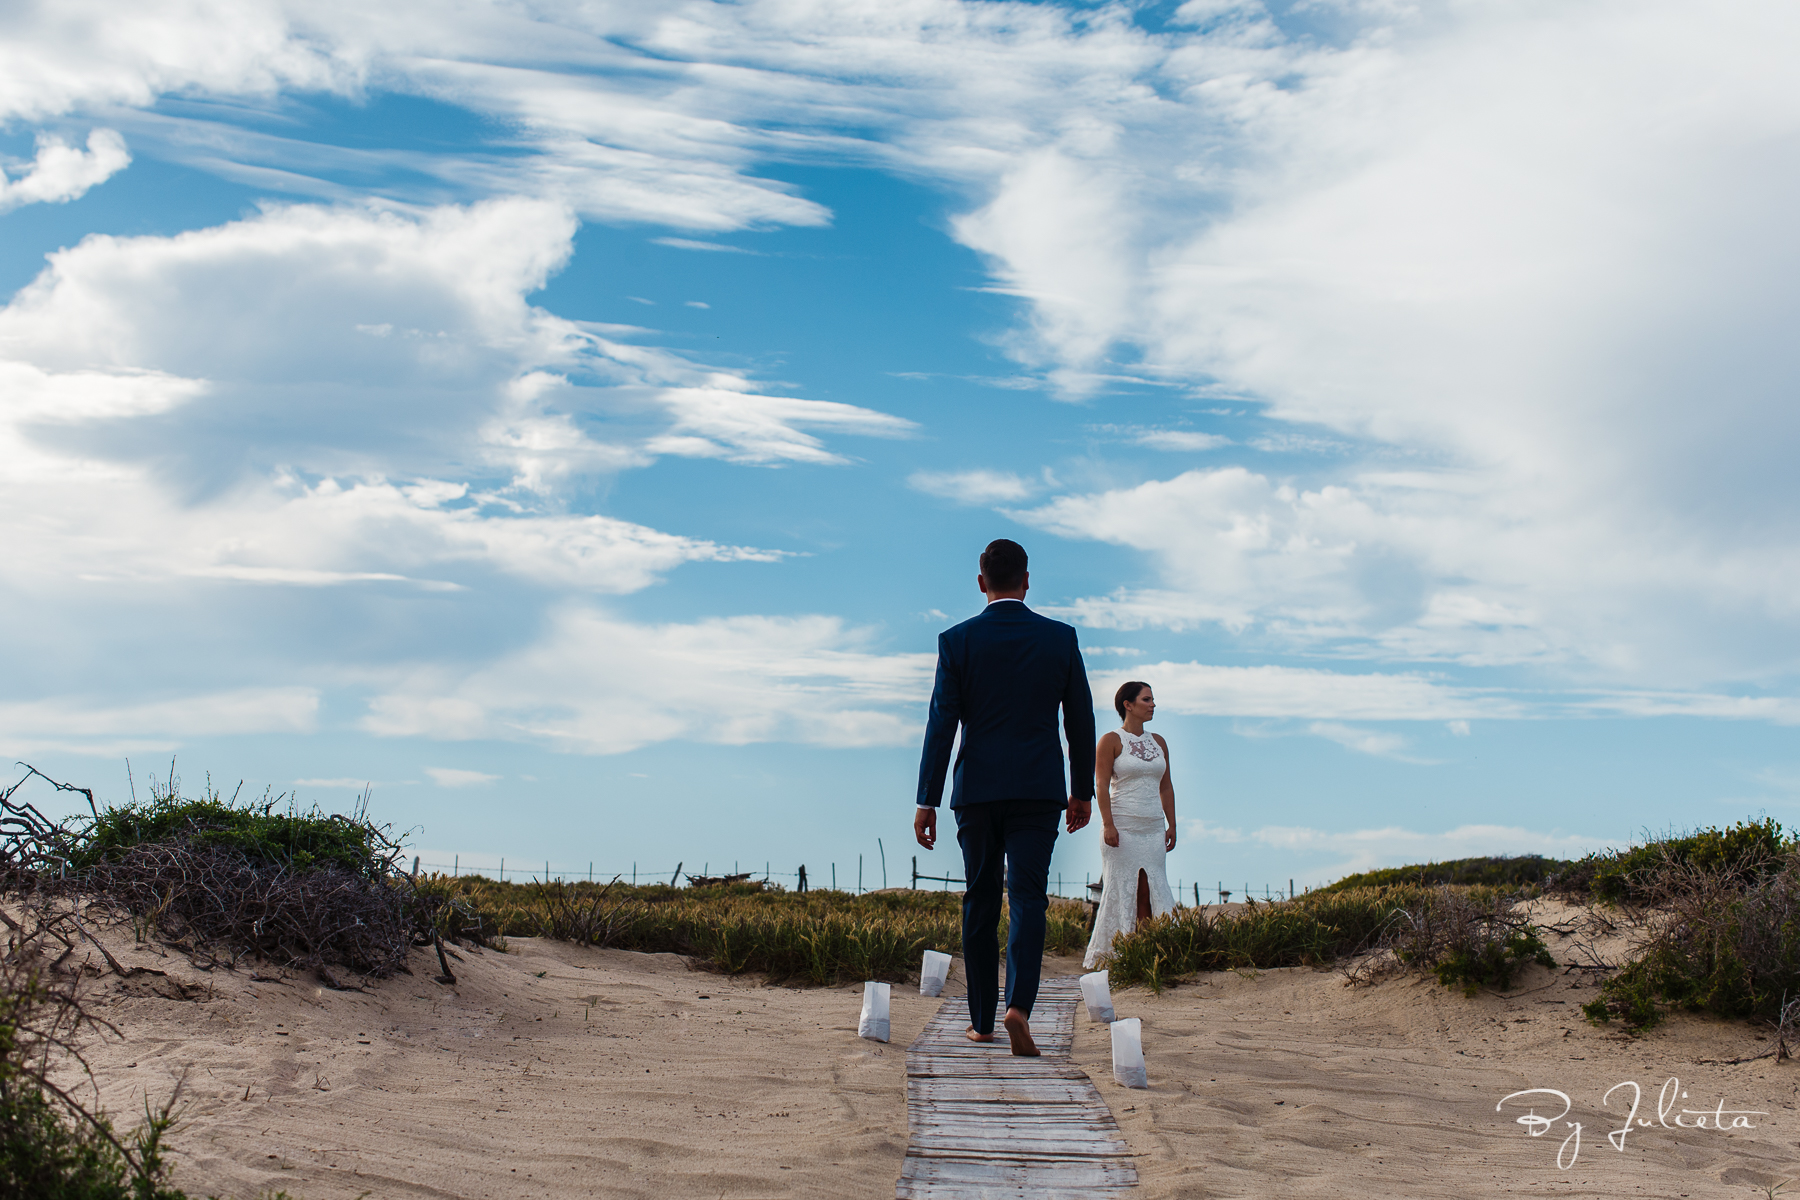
(1431, 565)
(61, 172)
(396, 345)
(1540, 258)
(581, 687)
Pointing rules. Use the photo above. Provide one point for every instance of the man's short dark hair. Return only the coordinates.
(1004, 564)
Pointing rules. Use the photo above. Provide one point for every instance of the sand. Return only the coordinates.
(1290, 1083)
(556, 1071)
(547, 1071)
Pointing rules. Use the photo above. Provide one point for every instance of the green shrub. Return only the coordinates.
(1498, 871)
(46, 1154)
(1723, 937)
(1491, 963)
(297, 840)
(1744, 853)
(51, 1146)
(1466, 937)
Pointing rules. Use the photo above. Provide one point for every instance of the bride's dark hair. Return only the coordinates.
(1127, 692)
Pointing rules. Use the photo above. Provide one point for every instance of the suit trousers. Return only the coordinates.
(1014, 837)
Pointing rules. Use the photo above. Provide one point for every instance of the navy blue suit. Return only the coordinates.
(1002, 676)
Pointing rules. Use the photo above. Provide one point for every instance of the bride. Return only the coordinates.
(1137, 822)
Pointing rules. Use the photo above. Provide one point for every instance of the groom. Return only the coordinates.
(1001, 676)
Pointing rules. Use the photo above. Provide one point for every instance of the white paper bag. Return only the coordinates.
(1096, 991)
(1128, 1053)
(874, 1023)
(935, 972)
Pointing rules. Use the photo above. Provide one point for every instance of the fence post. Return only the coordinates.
(502, 869)
(859, 874)
(914, 885)
(803, 877)
(676, 877)
(883, 850)
(455, 865)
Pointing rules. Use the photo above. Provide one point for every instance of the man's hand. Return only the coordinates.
(925, 827)
(1079, 813)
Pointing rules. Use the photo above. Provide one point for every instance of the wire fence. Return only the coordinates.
(800, 879)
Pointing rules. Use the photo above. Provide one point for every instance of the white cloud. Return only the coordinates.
(455, 777)
(61, 172)
(1329, 697)
(1540, 255)
(980, 487)
(1180, 439)
(85, 725)
(1373, 742)
(597, 685)
(131, 362)
(741, 426)
(1197, 689)
(691, 244)
(1429, 565)
(1355, 850)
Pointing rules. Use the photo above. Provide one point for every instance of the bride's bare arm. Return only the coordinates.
(1168, 794)
(1108, 750)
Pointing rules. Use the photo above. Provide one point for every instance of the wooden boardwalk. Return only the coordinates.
(986, 1126)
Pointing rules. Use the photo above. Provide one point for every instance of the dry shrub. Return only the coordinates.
(220, 880)
(568, 913)
(1717, 938)
(1467, 939)
(215, 900)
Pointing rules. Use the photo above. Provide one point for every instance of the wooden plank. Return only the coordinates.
(987, 1126)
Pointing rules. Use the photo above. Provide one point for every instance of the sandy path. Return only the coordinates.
(548, 1071)
(1288, 1083)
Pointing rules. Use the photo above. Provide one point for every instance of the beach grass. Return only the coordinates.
(822, 936)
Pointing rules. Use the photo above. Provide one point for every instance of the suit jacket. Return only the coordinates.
(1001, 676)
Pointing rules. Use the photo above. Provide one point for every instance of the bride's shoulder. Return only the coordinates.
(1111, 741)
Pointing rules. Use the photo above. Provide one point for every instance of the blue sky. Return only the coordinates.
(576, 423)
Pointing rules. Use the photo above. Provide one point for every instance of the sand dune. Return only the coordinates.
(1290, 1083)
(555, 1071)
(547, 1071)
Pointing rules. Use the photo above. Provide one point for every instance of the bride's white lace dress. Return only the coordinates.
(1138, 816)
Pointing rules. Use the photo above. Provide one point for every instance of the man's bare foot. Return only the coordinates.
(1018, 1030)
(974, 1036)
